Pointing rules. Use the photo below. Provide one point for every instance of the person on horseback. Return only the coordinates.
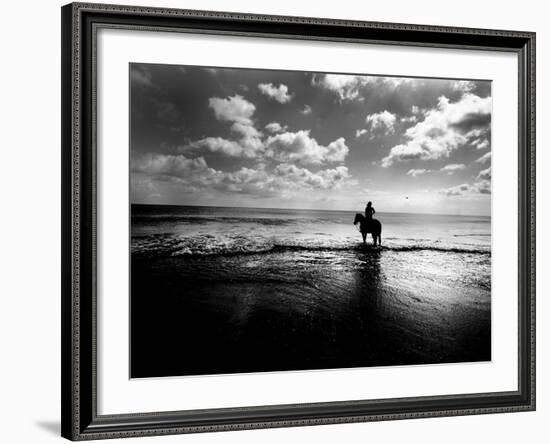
(367, 224)
(369, 211)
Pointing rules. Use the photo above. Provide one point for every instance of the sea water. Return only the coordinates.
(195, 230)
(299, 288)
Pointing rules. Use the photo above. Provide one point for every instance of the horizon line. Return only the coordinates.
(306, 209)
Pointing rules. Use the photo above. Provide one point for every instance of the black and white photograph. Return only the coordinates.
(275, 222)
(288, 220)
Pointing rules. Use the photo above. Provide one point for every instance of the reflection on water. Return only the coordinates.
(308, 309)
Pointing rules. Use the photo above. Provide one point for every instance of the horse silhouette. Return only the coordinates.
(367, 226)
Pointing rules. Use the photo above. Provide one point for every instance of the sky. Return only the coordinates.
(292, 139)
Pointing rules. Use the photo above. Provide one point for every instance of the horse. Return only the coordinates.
(366, 226)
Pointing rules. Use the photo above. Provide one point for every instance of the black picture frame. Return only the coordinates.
(80, 420)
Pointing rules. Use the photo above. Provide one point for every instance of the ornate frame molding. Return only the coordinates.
(80, 22)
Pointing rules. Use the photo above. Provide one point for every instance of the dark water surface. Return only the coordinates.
(245, 290)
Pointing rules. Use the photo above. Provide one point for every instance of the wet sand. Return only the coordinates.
(300, 310)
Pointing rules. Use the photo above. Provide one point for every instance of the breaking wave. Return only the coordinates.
(209, 245)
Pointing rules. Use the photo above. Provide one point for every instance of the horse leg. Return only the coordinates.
(364, 237)
(374, 238)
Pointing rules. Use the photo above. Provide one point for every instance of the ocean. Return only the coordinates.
(236, 290)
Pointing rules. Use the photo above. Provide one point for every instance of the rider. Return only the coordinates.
(369, 211)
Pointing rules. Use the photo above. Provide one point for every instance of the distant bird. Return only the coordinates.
(407, 197)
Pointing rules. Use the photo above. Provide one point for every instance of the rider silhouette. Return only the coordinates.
(369, 211)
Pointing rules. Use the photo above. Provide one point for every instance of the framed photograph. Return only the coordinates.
(280, 221)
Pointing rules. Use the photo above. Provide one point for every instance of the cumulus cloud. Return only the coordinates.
(167, 165)
(195, 174)
(482, 185)
(248, 181)
(232, 148)
(444, 129)
(278, 93)
(306, 110)
(485, 158)
(481, 144)
(349, 87)
(417, 172)
(409, 119)
(453, 168)
(247, 143)
(403, 153)
(360, 132)
(383, 121)
(232, 109)
(280, 146)
(484, 174)
(275, 127)
(283, 179)
(304, 178)
(457, 190)
(394, 82)
(465, 86)
(299, 147)
(247, 131)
